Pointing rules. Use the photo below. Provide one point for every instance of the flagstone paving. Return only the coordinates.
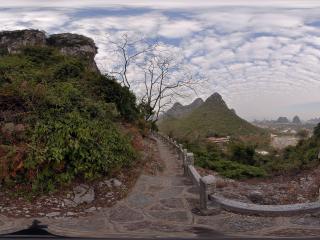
(163, 205)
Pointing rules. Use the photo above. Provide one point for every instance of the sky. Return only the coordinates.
(261, 56)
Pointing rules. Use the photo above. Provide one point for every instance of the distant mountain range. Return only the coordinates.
(314, 120)
(205, 118)
(284, 120)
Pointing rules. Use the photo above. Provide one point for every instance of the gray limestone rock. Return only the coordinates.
(256, 197)
(53, 214)
(75, 45)
(13, 41)
(116, 183)
(89, 210)
(83, 194)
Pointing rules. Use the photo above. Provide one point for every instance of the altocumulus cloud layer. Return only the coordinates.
(263, 58)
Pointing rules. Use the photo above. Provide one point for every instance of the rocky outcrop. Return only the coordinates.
(69, 44)
(14, 41)
(75, 45)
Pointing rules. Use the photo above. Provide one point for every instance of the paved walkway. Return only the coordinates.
(162, 205)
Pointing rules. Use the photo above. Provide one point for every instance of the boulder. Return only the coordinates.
(209, 179)
(116, 182)
(69, 203)
(53, 214)
(90, 210)
(70, 214)
(107, 182)
(113, 182)
(83, 194)
(256, 197)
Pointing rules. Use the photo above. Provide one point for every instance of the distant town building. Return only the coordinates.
(262, 152)
(219, 139)
(292, 131)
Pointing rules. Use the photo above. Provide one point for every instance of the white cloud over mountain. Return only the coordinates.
(261, 57)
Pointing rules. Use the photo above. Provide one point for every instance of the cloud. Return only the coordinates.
(164, 4)
(178, 29)
(260, 55)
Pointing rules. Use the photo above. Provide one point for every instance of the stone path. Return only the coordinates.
(164, 205)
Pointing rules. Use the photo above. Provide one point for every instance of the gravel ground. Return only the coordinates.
(299, 188)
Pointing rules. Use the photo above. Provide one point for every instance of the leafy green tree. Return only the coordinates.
(243, 153)
(121, 96)
(316, 131)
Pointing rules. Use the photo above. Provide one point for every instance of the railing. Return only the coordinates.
(206, 186)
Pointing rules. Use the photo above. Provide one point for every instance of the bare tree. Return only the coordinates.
(164, 79)
(162, 85)
(129, 51)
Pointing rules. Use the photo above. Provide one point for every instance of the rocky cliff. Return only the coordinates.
(13, 41)
(69, 44)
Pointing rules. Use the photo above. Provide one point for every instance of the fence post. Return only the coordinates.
(174, 146)
(184, 161)
(180, 152)
(188, 160)
(206, 187)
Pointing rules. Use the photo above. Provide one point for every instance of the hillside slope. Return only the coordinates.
(60, 119)
(213, 117)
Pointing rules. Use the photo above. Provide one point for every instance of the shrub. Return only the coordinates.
(303, 133)
(3, 51)
(72, 145)
(243, 153)
(112, 91)
(316, 131)
(39, 55)
(72, 69)
(236, 170)
(210, 156)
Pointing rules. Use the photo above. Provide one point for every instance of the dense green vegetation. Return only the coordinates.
(238, 161)
(241, 160)
(60, 121)
(304, 155)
